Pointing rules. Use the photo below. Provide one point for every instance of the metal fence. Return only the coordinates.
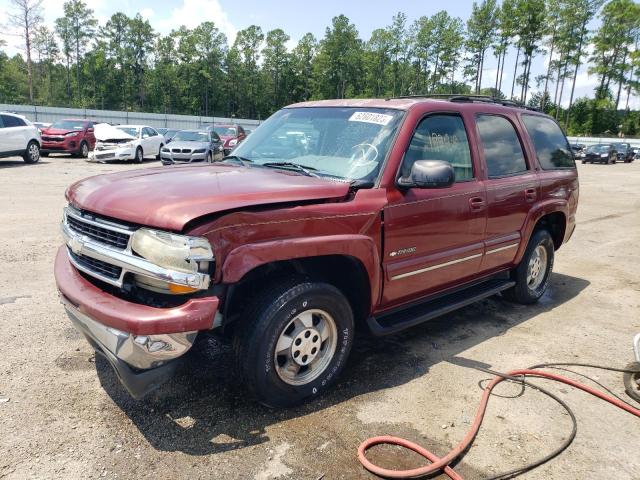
(158, 120)
(593, 140)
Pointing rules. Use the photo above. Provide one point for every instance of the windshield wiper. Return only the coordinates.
(241, 160)
(290, 165)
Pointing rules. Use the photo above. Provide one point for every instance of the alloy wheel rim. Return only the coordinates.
(537, 268)
(34, 152)
(85, 150)
(305, 347)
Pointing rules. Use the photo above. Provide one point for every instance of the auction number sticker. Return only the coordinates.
(371, 117)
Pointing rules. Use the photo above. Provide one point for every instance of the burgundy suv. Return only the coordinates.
(332, 218)
(74, 136)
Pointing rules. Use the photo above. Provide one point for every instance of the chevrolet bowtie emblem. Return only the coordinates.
(76, 245)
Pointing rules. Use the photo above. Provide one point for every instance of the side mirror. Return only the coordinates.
(90, 130)
(429, 174)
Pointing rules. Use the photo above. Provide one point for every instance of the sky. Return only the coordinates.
(296, 18)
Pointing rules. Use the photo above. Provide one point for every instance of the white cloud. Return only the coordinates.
(147, 13)
(193, 12)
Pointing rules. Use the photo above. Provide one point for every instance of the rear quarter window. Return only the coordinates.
(11, 121)
(552, 148)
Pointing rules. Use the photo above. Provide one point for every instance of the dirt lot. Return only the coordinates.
(58, 419)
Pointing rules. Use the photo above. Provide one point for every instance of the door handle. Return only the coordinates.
(476, 204)
(530, 194)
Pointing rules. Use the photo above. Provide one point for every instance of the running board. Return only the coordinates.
(386, 324)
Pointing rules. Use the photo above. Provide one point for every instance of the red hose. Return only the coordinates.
(442, 463)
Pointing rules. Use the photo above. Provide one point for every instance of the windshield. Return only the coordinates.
(187, 136)
(349, 143)
(622, 147)
(598, 149)
(130, 130)
(69, 125)
(225, 131)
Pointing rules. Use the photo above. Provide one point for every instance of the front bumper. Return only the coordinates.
(140, 342)
(169, 158)
(126, 153)
(60, 143)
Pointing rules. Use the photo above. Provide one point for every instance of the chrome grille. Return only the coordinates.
(98, 232)
(98, 266)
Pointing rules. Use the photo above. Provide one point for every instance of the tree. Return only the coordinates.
(530, 27)
(481, 31)
(44, 42)
(505, 28)
(339, 61)
(612, 43)
(115, 35)
(277, 64)
(397, 37)
(302, 59)
(27, 16)
(140, 42)
(582, 12)
(80, 26)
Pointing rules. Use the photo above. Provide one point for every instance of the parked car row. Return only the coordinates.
(608, 153)
(105, 142)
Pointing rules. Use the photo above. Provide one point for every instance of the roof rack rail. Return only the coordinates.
(455, 97)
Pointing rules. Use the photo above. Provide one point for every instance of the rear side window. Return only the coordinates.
(552, 147)
(440, 137)
(502, 150)
(11, 121)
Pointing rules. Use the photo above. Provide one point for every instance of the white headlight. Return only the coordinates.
(604, 155)
(168, 250)
(233, 142)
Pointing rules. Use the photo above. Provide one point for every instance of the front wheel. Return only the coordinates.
(158, 157)
(209, 158)
(84, 150)
(139, 155)
(294, 342)
(534, 270)
(32, 153)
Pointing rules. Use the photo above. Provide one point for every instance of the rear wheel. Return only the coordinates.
(534, 270)
(32, 153)
(294, 342)
(139, 156)
(632, 381)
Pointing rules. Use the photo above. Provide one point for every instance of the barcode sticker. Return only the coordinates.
(371, 117)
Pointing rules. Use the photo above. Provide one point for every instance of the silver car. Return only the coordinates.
(189, 146)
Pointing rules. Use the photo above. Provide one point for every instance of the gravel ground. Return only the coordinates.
(63, 414)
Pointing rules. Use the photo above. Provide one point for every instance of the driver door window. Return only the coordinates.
(441, 137)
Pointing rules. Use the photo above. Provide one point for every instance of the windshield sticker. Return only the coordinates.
(370, 117)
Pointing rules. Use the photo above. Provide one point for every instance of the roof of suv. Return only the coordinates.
(405, 103)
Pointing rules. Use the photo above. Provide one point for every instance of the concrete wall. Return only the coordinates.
(159, 120)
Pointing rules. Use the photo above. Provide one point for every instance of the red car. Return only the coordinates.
(230, 134)
(336, 217)
(74, 136)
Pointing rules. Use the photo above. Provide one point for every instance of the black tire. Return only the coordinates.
(522, 292)
(84, 150)
(139, 155)
(209, 158)
(269, 316)
(158, 157)
(584, 162)
(32, 153)
(632, 381)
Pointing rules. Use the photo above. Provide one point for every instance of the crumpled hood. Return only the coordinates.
(170, 197)
(104, 132)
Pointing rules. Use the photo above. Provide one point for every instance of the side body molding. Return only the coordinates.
(245, 258)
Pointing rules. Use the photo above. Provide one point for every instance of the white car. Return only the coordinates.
(18, 137)
(126, 142)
